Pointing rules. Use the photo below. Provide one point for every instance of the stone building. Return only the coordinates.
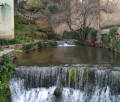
(101, 20)
(7, 19)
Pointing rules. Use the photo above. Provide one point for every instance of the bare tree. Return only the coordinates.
(80, 13)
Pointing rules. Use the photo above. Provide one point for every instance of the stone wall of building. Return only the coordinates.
(101, 20)
(7, 19)
(110, 19)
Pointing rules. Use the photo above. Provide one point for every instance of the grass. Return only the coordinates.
(27, 31)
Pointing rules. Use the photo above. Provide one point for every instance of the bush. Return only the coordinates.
(106, 39)
(28, 47)
(85, 32)
(117, 44)
(112, 31)
(45, 3)
(6, 67)
(22, 11)
(53, 9)
(93, 32)
(6, 71)
(40, 43)
(80, 42)
(70, 35)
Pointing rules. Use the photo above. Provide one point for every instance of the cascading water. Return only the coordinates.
(65, 43)
(80, 84)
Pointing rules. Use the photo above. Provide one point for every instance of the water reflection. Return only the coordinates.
(69, 55)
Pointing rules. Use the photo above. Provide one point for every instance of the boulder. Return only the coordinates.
(58, 92)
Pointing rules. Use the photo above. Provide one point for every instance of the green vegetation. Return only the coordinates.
(34, 5)
(93, 32)
(30, 29)
(53, 9)
(41, 43)
(80, 42)
(73, 74)
(111, 38)
(27, 31)
(28, 47)
(18, 40)
(112, 31)
(76, 35)
(106, 39)
(1, 49)
(70, 35)
(6, 71)
(48, 43)
(84, 74)
(117, 44)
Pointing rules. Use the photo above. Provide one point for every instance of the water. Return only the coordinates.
(65, 43)
(69, 55)
(37, 84)
(86, 74)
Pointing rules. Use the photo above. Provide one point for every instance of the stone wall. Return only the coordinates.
(110, 19)
(10, 52)
(7, 19)
(101, 20)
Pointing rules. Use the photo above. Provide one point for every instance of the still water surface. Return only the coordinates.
(69, 55)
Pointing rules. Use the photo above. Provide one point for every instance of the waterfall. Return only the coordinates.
(65, 43)
(80, 84)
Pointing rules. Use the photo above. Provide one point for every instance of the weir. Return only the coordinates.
(65, 43)
(80, 84)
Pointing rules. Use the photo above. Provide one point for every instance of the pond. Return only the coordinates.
(69, 55)
(67, 74)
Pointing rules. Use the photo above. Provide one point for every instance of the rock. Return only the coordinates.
(58, 92)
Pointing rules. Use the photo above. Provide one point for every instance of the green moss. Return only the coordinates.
(84, 74)
(73, 74)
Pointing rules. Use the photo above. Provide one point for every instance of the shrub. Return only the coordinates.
(53, 9)
(70, 35)
(93, 32)
(28, 47)
(6, 67)
(85, 32)
(45, 3)
(22, 11)
(117, 44)
(48, 43)
(112, 31)
(106, 39)
(40, 43)
(80, 42)
(6, 71)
